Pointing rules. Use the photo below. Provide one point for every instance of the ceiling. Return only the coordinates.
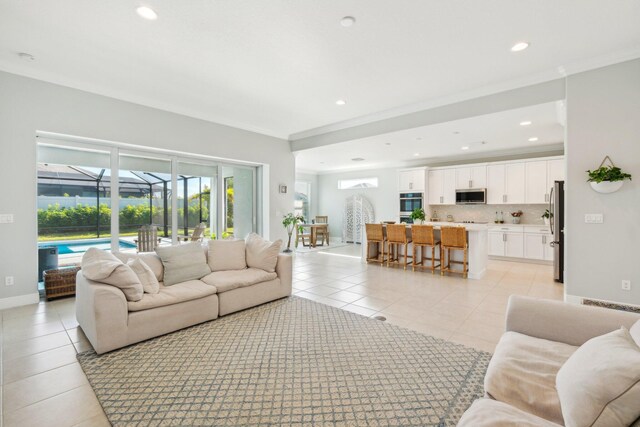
(486, 136)
(278, 66)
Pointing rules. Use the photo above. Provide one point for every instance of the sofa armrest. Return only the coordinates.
(102, 313)
(563, 322)
(284, 270)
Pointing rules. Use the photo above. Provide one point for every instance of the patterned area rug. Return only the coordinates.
(289, 362)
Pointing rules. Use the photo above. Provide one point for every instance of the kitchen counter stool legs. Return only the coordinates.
(396, 239)
(375, 236)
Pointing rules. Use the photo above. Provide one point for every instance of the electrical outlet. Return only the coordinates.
(8, 281)
(626, 285)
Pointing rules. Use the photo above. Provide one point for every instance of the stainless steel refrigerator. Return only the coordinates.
(556, 207)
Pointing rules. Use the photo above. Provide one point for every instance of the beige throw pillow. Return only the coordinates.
(261, 253)
(183, 262)
(150, 283)
(599, 385)
(103, 267)
(635, 332)
(227, 255)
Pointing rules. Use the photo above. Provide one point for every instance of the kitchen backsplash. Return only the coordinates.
(532, 214)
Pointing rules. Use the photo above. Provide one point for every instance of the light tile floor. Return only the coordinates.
(43, 384)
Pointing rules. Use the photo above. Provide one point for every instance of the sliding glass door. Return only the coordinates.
(239, 212)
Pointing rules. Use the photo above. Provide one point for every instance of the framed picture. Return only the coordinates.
(283, 188)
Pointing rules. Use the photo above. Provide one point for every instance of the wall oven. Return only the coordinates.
(476, 196)
(409, 202)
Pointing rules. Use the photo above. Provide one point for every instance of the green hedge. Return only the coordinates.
(81, 217)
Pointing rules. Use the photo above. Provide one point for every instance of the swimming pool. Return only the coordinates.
(81, 246)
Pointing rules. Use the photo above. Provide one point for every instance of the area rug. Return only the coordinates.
(289, 362)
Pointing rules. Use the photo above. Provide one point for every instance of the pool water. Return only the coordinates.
(81, 246)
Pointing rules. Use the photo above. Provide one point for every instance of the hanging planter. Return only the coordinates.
(607, 179)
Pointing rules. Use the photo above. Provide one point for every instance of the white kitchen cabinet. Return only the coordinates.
(442, 187)
(536, 188)
(471, 177)
(411, 180)
(514, 244)
(534, 246)
(496, 243)
(505, 183)
(540, 176)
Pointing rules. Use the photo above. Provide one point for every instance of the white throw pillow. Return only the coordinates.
(227, 255)
(148, 279)
(635, 332)
(103, 267)
(599, 385)
(183, 262)
(261, 253)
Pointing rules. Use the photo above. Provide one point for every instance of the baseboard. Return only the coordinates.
(522, 260)
(12, 302)
(573, 299)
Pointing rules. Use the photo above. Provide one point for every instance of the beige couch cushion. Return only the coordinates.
(150, 284)
(150, 258)
(261, 253)
(599, 386)
(103, 267)
(183, 262)
(180, 292)
(522, 373)
(491, 413)
(227, 255)
(227, 280)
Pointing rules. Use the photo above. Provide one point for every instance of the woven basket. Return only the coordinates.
(60, 283)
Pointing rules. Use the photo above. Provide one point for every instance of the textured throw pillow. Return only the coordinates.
(599, 385)
(150, 283)
(261, 253)
(103, 267)
(635, 332)
(152, 260)
(227, 255)
(183, 262)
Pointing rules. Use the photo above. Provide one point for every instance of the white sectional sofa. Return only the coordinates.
(525, 384)
(111, 320)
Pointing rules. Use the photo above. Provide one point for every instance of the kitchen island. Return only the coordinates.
(476, 238)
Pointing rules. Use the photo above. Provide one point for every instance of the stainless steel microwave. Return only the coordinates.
(476, 196)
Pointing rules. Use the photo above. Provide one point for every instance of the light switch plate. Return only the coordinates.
(6, 218)
(593, 218)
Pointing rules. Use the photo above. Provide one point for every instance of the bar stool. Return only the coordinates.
(453, 238)
(375, 235)
(423, 238)
(397, 236)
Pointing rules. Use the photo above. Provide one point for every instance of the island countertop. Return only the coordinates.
(477, 239)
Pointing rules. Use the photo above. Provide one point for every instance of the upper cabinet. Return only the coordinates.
(506, 183)
(471, 177)
(540, 176)
(442, 187)
(412, 180)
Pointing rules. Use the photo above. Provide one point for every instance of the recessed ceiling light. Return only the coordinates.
(416, 154)
(347, 21)
(533, 139)
(525, 123)
(519, 47)
(341, 102)
(357, 159)
(466, 147)
(147, 13)
(26, 56)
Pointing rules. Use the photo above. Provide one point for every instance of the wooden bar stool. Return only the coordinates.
(375, 235)
(423, 238)
(396, 237)
(453, 238)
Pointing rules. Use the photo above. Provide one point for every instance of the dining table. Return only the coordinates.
(313, 231)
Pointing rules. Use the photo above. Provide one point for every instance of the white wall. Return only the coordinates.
(384, 199)
(603, 118)
(28, 105)
(314, 200)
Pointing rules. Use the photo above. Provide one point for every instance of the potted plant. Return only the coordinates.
(547, 216)
(516, 216)
(607, 179)
(289, 221)
(418, 215)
